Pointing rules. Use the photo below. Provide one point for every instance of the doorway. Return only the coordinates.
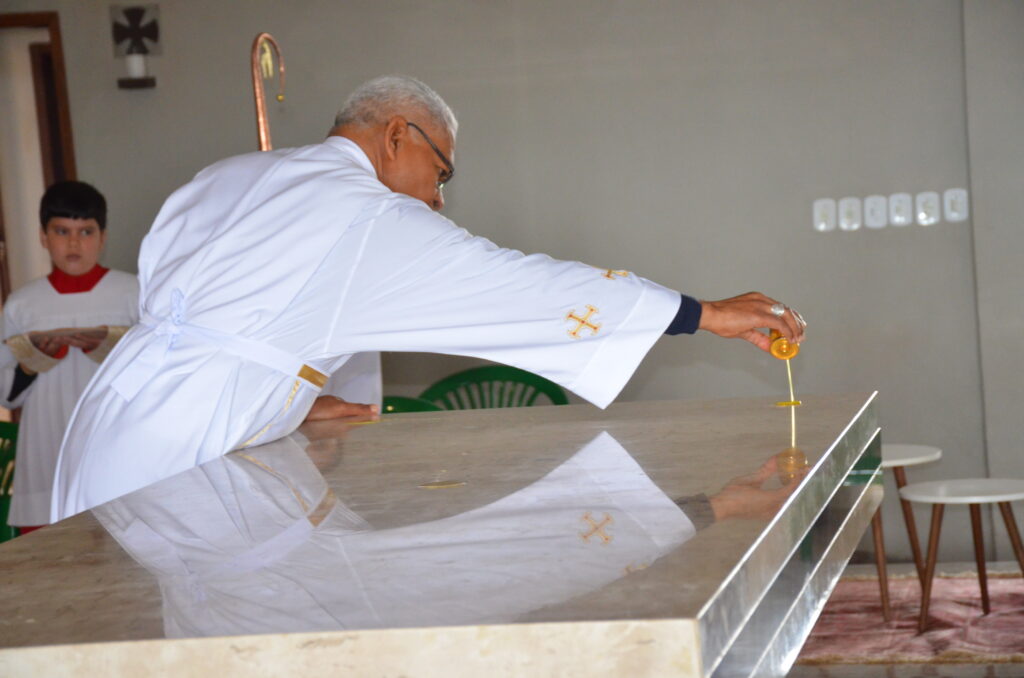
(36, 147)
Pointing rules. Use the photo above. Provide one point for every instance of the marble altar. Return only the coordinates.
(524, 542)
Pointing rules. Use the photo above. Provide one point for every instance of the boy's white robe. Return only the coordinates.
(48, 402)
(271, 261)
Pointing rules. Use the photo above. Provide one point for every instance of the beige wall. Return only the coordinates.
(682, 140)
(995, 116)
(21, 166)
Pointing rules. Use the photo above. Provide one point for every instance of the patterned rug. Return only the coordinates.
(851, 630)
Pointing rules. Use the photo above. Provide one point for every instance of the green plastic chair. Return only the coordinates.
(8, 441)
(493, 386)
(396, 404)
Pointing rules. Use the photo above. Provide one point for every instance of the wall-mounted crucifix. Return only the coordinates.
(136, 33)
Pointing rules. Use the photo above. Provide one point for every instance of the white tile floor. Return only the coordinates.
(916, 670)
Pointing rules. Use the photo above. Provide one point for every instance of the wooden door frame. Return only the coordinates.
(38, 53)
(51, 22)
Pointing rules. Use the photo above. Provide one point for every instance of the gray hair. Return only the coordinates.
(375, 101)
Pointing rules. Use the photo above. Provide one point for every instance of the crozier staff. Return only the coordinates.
(261, 276)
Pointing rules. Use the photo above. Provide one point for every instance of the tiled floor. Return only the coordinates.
(916, 670)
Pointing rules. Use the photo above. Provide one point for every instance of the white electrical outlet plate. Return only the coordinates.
(926, 208)
(901, 209)
(824, 214)
(954, 203)
(876, 211)
(849, 214)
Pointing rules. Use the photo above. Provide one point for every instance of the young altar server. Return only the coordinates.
(57, 330)
(263, 274)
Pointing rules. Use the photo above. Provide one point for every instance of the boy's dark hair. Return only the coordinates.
(73, 200)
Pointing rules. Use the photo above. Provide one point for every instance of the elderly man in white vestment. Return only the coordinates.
(266, 272)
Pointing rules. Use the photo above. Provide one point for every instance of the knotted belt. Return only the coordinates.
(148, 362)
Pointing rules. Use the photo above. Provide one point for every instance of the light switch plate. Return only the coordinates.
(876, 211)
(824, 214)
(954, 203)
(901, 209)
(927, 208)
(849, 214)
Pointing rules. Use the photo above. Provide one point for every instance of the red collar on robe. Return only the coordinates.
(71, 284)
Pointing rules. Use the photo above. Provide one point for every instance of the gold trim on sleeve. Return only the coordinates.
(287, 405)
(313, 376)
(306, 373)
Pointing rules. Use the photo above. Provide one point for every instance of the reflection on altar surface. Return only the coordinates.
(258, 543)
(505, 520)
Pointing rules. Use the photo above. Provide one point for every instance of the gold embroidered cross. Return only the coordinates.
(610, 274)
(596, 528)
(582, 322)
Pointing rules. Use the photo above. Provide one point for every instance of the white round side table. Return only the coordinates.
(973, 492)
(897, 457)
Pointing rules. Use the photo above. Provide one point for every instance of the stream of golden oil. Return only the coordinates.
(792, 407)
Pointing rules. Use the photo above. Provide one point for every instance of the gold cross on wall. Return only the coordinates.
(596, 528)
(582, 322)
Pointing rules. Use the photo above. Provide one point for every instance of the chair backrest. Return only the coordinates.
(396, 404)
(8, 443)
(493, 386)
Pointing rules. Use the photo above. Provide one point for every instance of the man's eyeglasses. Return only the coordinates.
(447, 175)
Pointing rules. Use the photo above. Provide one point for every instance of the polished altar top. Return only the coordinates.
(670, 511)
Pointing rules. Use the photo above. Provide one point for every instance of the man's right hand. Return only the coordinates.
(745, 315)
(330, 407)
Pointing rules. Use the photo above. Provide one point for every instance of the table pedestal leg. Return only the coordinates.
(883, 579)
(1011, 528)
(979, 555)
(929, 568)
(908, 517)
